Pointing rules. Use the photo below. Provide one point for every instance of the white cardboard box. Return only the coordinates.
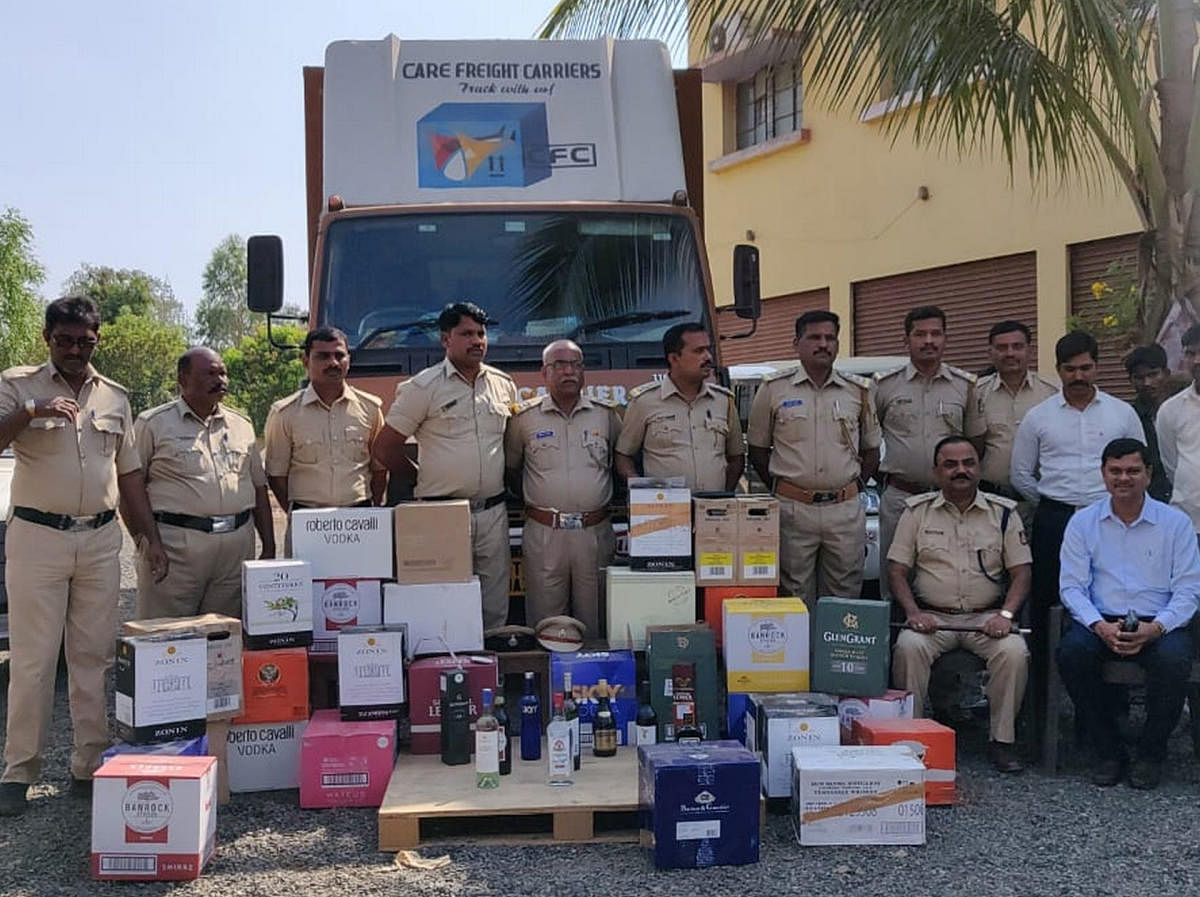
(777, 724)
(345, 602)
(224, 636)
(892, 704)
(858, 795)
(371, 672)
(277, 603)
(153, 818)
(440, 616)
(660, 518)
(640, 598)
(264, 756)
(344, 542)
(765, 644)
(161, 686)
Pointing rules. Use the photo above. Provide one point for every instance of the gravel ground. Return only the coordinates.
(1030, 835)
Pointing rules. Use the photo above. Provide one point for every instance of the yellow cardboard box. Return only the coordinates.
(766, 644)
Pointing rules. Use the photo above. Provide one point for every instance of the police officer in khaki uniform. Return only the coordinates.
(457, 411)
(814, 437)
(959, 545)
(917, 405)
(205, 479)
(72, 434)
(318, 440)
(684, 425)
(559, 452)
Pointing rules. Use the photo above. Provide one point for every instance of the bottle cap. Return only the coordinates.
(558, 701)
(487, 696)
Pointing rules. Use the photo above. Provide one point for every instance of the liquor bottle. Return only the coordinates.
(645, 726)
(558, 747)
(531, 721)
(571, 715)
(502, 720)
(1130, 623)
(683, 698)
(487, 745)
(604, 725)
(455, 718)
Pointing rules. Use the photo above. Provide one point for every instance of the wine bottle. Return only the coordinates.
(487, 746)
(571, 715)
(645, 725)
(502, 720)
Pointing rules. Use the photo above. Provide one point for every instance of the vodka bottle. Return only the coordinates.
(558, 747)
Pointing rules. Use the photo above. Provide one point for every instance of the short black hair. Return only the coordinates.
(454, 312)
(673, 338)
(1002, 327)
(1191, 336)
(1119, 448)
(951, 440)
(923, 313)
(1077, 342)
(817, 316)
(184, 364)
(1151, 356)
(323, 335)
(73, 310)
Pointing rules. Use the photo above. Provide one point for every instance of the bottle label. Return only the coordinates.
(559, 750)
(646, 735)
(605, 739)
(501, 746)
(487, 751)
(575, 736)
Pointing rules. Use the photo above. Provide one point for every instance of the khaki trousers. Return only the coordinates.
(822, 549)
(562, 571)
(1007, 665)
(491, 559)
(891, 506)
(205, 574)
(62, 587)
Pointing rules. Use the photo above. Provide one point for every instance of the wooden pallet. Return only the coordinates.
(429, 802)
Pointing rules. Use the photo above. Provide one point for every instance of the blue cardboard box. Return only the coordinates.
(700, 803)
(587, 668)
(738, 703)
(187, 747)
(483, 145)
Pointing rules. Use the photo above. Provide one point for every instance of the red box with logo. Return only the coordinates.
(932, 742)
(424, 697)
(274, 685)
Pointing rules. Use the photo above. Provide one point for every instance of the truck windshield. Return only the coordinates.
(598, 278)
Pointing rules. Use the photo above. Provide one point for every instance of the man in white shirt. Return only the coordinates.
(1178, 425)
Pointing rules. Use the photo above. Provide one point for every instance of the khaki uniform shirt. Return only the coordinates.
(678, 439)
(567, 458)
(459, 428)
(325, 452)
(995, 414)
(206, 468)
(65, 468)
(948, 549)
(915, 414)
(815, 433)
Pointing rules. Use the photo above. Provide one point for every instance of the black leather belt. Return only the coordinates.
(305, 506)
(477, 504)
(64, 522)
(224, 523)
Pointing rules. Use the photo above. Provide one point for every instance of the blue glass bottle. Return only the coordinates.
(531, 721)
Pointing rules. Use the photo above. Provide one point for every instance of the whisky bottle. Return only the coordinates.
(604, 726)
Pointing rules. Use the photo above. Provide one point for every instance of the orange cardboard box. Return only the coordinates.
(715, 596)
(933, 742)
(274, 685)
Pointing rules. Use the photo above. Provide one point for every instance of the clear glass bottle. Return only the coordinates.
(487, 745)
(558, 747)
(571, 715)
(604, 725)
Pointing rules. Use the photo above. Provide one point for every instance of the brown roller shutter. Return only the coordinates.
(776, 328)
(974, 296)
(1090, 262)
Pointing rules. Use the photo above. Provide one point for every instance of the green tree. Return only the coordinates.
(20, 308)
(1074, 90)
(259, 374)
(118, 291)
(140, 353)
(222, 317)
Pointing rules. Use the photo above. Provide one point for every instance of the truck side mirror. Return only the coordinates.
(746, 300)
(264, 273)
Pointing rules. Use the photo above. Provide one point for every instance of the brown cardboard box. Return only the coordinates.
(224, 655)
(715, 521)
(218, 738)
(758, 540)
(433, 541)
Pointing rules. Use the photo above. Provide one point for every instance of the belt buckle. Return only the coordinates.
(78, 524)
(824, 498)
(568, 521)
(223, 524)
(476, 504)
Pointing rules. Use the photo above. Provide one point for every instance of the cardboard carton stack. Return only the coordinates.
(779, 724)
(681, 662)
(587, 668)
(424, 691)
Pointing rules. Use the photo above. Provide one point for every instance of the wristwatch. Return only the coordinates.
(1006, 613)
(31, 407)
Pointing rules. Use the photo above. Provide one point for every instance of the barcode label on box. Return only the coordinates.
(694, 831)
(715, 572)
(758, 571)
(222, 702)
(716, 565)
(140, 864)
(759, 565)
(345, 780)
(900, 828)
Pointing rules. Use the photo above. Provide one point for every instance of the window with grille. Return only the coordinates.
(769, 104)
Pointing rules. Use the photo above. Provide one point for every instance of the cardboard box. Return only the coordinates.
(338, 603)
(218, 738)
(433, 541)
(587, 668)
(441, 617)
(153, 818)
(776, 724)
(857, 795)
(853, 653)
(344, 542)
(660, 524)
(275, 685)
(371, 672)
(185, 747)
(766, 644)
(932, 743)
(699, 804)
(277, 603)
(736, 704)
(345, 764)
(224, 671)
(640, 598)
(695, 646)
(715, 522)
(892, 704)
(758, 540)
(714, 603)
(161, 687)
(424, 699)
(264, 756)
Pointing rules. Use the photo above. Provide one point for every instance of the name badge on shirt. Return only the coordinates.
(543, 434)
(792, 403)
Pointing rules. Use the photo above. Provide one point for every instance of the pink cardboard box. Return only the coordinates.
(345, 764)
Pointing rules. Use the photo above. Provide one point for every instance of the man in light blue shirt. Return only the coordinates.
(1128, 553)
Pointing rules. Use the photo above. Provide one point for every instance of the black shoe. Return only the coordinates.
(12, 798)
(1004, 758)
(1108, 772)
(81, 788)
(1145, 774)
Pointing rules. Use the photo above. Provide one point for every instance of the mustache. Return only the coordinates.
(220, 387)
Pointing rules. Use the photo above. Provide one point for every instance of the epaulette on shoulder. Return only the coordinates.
(860, 382)
(966, 375)
(1002, 500)
(20, 370)
(1047, 382)
(236, 412)
(156, 410)
(426, 377)
(521, 407)
(725, 390)
(778, 375)
(369, 397)
(640, 390)
(498, 372)
(611, 404)
(883, 375)
(113, 383)
(280, 404)
(917, 500)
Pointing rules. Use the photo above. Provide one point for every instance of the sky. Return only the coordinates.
(139, 133)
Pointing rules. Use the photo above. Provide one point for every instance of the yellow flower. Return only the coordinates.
(1099, 288)
(1109, 320)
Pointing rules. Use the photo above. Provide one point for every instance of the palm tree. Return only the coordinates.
(1082, 89)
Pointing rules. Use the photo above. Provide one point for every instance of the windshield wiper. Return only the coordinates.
(632, 317)
(424, 324)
